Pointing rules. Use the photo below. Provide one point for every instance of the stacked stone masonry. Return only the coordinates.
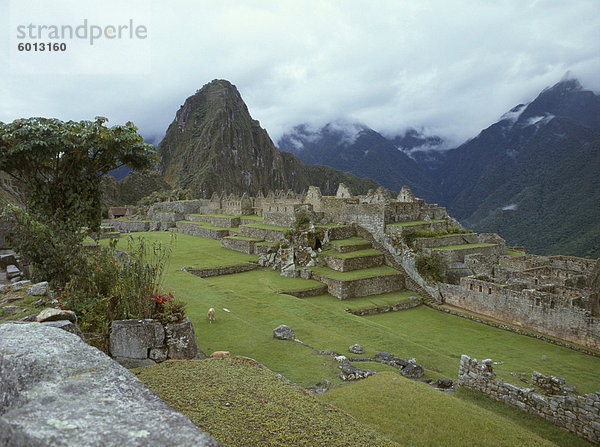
(578, 414)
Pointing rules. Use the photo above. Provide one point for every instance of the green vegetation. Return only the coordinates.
(244, 238)
(231, 216)
(355, 274)
(210, 227)
(416, 415)
(253, 217)
(436, 339)
(240, 403)
(60, 166)
(431, 266)
(514, 252)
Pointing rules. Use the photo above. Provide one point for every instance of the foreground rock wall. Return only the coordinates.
(578, 414)
(58, 391)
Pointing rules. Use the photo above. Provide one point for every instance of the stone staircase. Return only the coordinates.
(355, 269)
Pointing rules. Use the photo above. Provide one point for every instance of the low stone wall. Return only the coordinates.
(57, 390)
(218, 271)
(166, 216)
(263, 249)
(132, 226)
(553, 315)
(458, 255)
(444, 241)
(226, 222)
(316, 291)
(338, 233)
(197, 218)
(355, 263)
(268, 234)
(387, 308)
(240, 245)
(182, 206)
(198, 230)
(578, 414)
(135, 343)
(362, 287)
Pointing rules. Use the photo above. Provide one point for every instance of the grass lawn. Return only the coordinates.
(354, 274)
(514, 252)
(240, 403)
(416, 415)
(215, 215)
(436, 339)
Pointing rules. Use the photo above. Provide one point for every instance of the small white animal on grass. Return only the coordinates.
(211, 315)
(220, 355)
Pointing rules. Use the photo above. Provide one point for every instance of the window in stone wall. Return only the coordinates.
(489, 290)
(481, 288)
(535, 281)
(471, 286)
(537, 301)
(551, 304)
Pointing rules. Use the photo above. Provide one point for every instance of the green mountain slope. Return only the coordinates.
(214, 145)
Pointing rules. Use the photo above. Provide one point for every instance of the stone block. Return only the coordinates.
(181, 340)
(53, 314)
(283, 332)
(133, 338)
(39, 289)
(66, 325)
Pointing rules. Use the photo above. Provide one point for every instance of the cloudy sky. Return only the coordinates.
(448, 67)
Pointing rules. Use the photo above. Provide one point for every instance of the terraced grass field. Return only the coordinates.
(255, 306)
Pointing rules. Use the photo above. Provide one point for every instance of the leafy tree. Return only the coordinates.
(59, 166)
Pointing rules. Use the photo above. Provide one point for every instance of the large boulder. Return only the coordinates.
(356, 349)
(181, 340)
(57, 390)
(283, 332)
(133, 339)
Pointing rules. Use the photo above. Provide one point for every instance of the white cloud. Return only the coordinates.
(449, 67)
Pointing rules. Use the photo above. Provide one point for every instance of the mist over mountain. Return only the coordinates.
(533, 176)
(356, 148)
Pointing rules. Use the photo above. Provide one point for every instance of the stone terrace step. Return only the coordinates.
(457, 253)
(202, 229)
(269, 233)
(240, 243)
(216, 220)
(350, 244)
(399, 227)
(445, 241)
(338, 232)
(356, 260)
(372, 281)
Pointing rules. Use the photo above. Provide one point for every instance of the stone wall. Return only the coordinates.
(458, 255)
(414, 302)
(268, 234)
(57, 390)
(553, 315)
(198, 230)
(182, 206)
(444, 241)
(133, 226)
(578, 414)
(354, 263)
(241, 245)
(362, 287)
(218, 271)
(135, 343)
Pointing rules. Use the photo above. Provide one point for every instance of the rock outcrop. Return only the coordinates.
(57, 390)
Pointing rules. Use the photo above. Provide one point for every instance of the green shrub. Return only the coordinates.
(432, 267)
(302, 221)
